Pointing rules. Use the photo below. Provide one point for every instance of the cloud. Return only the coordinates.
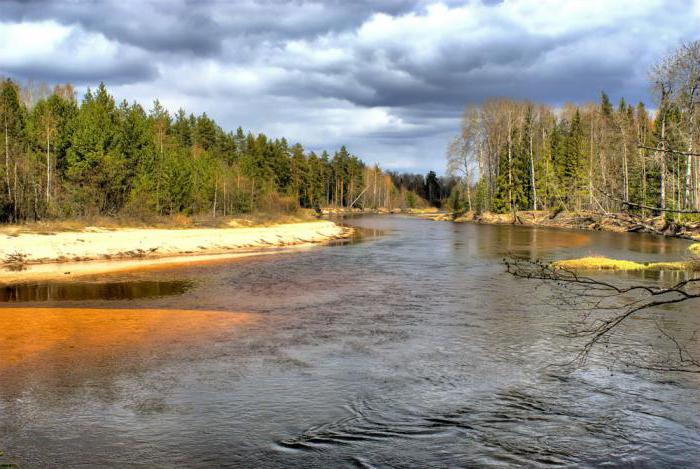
(387, 77)
(51, 52)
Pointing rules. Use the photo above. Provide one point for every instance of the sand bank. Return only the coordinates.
(37, 256)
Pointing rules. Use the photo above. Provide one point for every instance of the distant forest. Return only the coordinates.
(61, 158)
(603, 157)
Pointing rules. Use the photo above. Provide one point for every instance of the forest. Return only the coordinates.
(62, 158)
(66, 159)
(603, 157)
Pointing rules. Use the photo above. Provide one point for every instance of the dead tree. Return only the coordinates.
(603, 307)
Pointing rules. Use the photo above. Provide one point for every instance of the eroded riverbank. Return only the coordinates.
(586, 221)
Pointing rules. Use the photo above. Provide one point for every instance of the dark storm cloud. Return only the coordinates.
(124, 72)
(200, 27)
(158, 26)
(463, 72)
(373, 73)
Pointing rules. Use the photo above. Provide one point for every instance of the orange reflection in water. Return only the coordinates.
(534, 242)
(38, 343)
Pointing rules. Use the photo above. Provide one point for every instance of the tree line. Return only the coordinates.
(514, 155)
(62, 158)
(431, 188)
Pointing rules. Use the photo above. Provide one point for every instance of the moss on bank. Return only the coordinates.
(604, 263)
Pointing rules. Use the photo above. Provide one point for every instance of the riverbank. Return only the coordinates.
(589, 221)
(40, 255)
(333, 211)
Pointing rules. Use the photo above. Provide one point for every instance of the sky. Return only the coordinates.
(387, 78)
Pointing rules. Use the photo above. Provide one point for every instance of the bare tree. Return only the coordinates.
(686, 75)
(603, 307)
(47, 123)
(465, 151)
(676, 81)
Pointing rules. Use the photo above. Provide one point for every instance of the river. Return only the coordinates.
(409, 347)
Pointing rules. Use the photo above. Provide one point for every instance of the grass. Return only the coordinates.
(7, 465)
(422, 210)
(604, 263)
(259, 218)
(15, 261)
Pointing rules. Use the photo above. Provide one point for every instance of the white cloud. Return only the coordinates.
(20, 42)
(67, 52)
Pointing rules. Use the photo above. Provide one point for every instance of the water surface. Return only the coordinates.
(411, 348)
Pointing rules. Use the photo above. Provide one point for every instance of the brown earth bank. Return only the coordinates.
(591, 221)
(330, 211)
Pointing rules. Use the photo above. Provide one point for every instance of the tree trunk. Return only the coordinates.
(374, 189)
(590, 170)
(510, 170)
(224, 199)
(216, 187)
(663, 164)
(688, 182)
(252, 194)
(625, 174)
(15, 202)
(7, 161)
(644, 180)
(48, 168)
(469, 197)
(532, 175)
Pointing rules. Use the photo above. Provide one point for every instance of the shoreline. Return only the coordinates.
(93, 250)
(611, 223)
(582, 221)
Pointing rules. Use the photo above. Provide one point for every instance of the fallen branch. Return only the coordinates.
(615, 303)
(647, 207)
(664, 150)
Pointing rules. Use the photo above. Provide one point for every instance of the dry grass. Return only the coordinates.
(50, 227)
(604, 263)
(695, 248)
(15, 261)
(420, 211)
(465, 217)
(269, 219)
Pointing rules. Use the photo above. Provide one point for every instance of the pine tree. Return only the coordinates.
(605, 105)
(92, 168)
(11, 123)
(573, 161)
(503, 195)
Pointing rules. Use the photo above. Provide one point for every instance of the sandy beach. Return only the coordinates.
(93, 250)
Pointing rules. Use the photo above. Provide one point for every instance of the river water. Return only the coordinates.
(411, 347)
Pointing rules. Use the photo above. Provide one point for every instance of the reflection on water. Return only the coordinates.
(359, 234)
(73, 291)
(409, 349)
(48, 344)
(536, 243)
